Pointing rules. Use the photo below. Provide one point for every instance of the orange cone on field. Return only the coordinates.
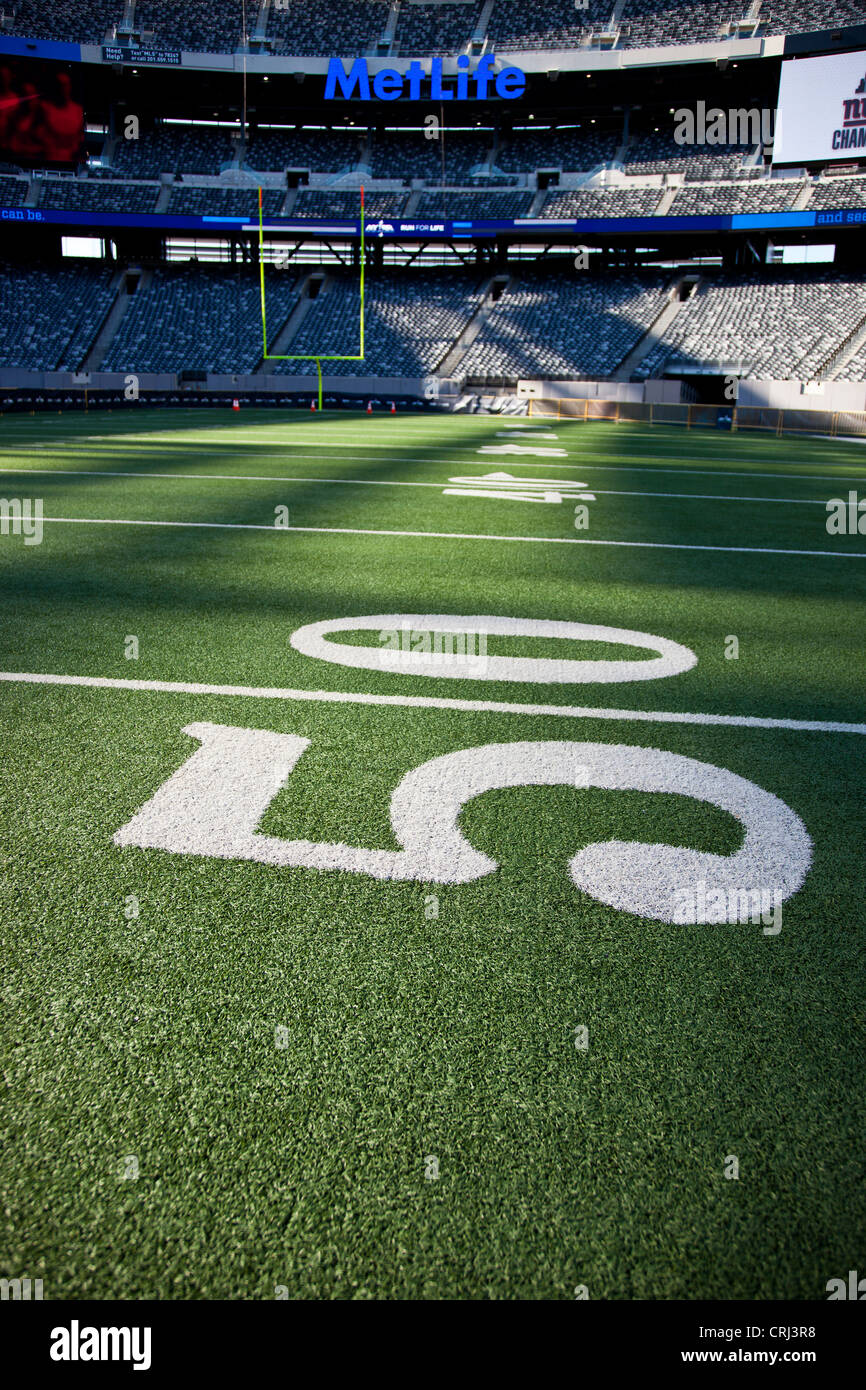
(369, 407)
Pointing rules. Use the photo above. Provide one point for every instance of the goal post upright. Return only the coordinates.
(262, 280)
(318, 358)
(361, 353)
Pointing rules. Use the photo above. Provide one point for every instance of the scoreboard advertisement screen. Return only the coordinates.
(41, 113)
(822, 110)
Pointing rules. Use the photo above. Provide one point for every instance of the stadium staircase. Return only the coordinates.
(478, 41)
(126, 23)
(108, 149)
(657, 328)
(258, 30)
(668, 195)
(390, 30)
(108, 328)
(449, 366)
(608, 37)
(803, 196)
(836, 362)
(289, 330)
(746, 27)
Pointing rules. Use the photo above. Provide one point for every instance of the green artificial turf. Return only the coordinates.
(410, 1036)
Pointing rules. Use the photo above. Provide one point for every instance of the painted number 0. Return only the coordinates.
(214, 803)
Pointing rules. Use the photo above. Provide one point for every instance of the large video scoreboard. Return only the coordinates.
(41, 113)
(822, 110)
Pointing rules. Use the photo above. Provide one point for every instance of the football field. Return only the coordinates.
(411, 960)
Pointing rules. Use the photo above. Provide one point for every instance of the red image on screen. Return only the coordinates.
(41, 115)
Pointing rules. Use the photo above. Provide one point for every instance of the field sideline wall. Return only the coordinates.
(735, 417)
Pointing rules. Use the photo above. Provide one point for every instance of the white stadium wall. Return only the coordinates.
(799, 395)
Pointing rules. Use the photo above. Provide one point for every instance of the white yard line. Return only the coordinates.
(382, 424)
(339, 697)
(583, 464)
(217, 477)
(579, 462)
(382, 437)
(712, 496)
(390, 482)
(449, 535)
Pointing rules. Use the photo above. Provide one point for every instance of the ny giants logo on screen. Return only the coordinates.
(388, 84)
(853, 132)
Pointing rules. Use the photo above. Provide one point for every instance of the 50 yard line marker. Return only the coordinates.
(306, 356)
